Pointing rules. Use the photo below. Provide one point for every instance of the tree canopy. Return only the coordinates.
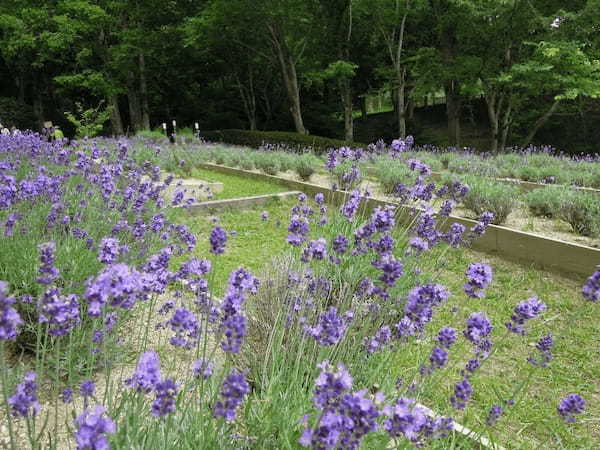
(310, 66)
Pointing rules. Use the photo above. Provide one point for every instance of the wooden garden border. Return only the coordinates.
(573, 260)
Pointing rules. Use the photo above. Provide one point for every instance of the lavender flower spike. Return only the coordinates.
(10, 320)
(92, 426)
(569, 406)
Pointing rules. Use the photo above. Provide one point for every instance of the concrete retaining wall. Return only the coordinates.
(576, 261)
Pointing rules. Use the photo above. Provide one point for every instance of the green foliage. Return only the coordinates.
(88, 122)
(390, 173)
(269, 163)
(582, 212)
(548, 201)
(485, 195)
(306, 165)
(12, 112)
(294, 141)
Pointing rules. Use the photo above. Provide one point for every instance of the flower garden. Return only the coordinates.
(128, 320)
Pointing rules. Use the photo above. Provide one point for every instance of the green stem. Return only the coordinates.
(5, 394)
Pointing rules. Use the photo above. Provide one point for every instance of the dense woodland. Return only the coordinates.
(510, 72)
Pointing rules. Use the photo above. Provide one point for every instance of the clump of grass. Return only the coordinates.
(485, 195)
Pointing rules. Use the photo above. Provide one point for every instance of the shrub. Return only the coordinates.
(306, 166)
(548, 201)
(390, 173)
(582, 212)
(486, 195)
(294, 141)
(268, 163)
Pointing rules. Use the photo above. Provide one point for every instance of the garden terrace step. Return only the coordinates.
(573, 260)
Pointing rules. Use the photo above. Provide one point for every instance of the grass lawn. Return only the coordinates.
(534, 422)
(235, 186)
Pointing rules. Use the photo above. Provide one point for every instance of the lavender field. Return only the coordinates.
(129, 321)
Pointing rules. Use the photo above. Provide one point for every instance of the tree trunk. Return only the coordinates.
(38, 107)
(290, 77)
(346, 91)
(453, 106)
(539, 123)
(115, 115)
(364, 110)
(506, 121)
(493, 109)
(135, 109)
(20, 82)
(401, 103)
(145, 109)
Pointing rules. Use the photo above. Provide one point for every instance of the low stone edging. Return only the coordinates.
(219, 205)
(574, 260)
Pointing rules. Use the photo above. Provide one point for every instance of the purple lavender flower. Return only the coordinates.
(87, 388)
(544, 347)
(48, 273)
(591, 289)
(405, 419)
(524, 311)
(330, 385)
(147, 373)
(462, 394)
(421, 301)
(61, 313)
(10, 320)
(340, 244)
(355, 417)
(302, 197)
(202, 368)
(233, 391)
(10, 223)
(484, 220)
(234, 328)
(569, 406)
(109, 250)
(316, 249)
(186, 327)
(164, 402)
(24, 402)
(66, 396)
(264, 216)
(381, 338)
(479, 276)
(350, 208)
(438, 357)
(298, 229)
(383, 219)
(454, 236)
(319, 198)
(118, 284)
(330, 327)
(446, 208)
(91, 428)
(218, 238)
(495, 413)
(392, 269)
(446, 337)
(418, 245)
(478, 327)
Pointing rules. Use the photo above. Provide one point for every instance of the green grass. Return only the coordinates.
(254, 244)
(573, 323)
(235, 186)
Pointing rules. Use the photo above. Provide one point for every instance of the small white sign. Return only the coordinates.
(174, 124)
(164, 125)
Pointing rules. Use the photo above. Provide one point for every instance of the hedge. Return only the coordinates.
(294, 141)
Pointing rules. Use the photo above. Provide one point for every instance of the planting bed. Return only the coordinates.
(575, 218)
(300, 323)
